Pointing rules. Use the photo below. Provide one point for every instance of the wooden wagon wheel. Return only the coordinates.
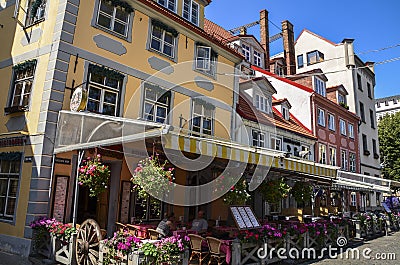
(88, 243)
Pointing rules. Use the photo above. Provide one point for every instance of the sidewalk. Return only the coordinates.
(13, 259)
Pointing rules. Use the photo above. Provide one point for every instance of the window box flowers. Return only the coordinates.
(94, 175)
(117, 248)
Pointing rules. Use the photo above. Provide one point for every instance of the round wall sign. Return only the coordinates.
(78, 99)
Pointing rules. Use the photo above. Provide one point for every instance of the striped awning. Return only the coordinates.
(245, 154)
(350, 180)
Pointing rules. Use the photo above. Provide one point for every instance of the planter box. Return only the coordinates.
(138, 258)
(42, 244)
(64, 252)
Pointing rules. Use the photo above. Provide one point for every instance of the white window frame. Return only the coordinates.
(322, 153)
(321, 117)
(353, 200)
(246, 52)
(343, 160)
(342, 125)
(320, 86)
(285, 113)
(260, 140)
(203, 117)
(205, 64)
(162, 42)
(331, 122)
(332, 156)
(352, 162)
(25, 81)
(103, 89)
(314, 57)
(156, 104)
(351, 130)
(40, 13)
(300, 65)
(113, 19)
(257, 58)
(167, 4)
(341, 98)
(188, 14)
(274, 142)
(6, 178)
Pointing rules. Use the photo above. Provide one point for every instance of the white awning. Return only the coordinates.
(358, 181)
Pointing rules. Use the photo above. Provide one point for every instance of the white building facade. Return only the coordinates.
(387, 105)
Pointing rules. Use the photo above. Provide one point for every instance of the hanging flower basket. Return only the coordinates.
(238, 194)
(301, 192)
(94, 175)
(274, 190)
(152, 177)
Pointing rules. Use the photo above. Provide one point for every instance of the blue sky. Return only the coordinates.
(373, 25)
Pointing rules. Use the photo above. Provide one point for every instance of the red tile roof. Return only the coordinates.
(247, 111)
(217, 31)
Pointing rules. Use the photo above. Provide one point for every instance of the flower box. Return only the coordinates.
(64, 251)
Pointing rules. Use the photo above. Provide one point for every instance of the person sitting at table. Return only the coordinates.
(167, 225)
(200, 224)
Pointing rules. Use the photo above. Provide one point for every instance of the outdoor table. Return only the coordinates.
(142, 229)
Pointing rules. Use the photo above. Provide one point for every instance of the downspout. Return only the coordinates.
(234, 130)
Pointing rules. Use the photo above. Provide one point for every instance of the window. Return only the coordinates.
(9, 178)
(300, 62)
(202, 118)
(279, 70)
(386, 103)
(22, 85)
(341, 98)
(359, 82)
(113, 17)
(369, 90)
(156, 104)
(103, 90)
(372, 118)
(321, 117)
(353, 199)
(285, 113)
(276, 143)
(263, 104)
(205, 61)
(362, 113)
(342, 125)
(162, 40)
(374, 149)
(314, 57)
(322, 153)
(305, 152)
(344, 160)
(257, 58)
(352, 162)
(351, 131)
(258, 138)
(365, 144)
(191, 11)
(146, 209)
(170, 4)
(246, 52)
(332, 158)
(331, 122)
(34, 12)
(394, 101)
(320, 86)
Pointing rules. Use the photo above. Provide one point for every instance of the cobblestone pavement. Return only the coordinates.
(383, 250)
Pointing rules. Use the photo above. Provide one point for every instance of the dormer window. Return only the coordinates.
(257, 58)
(314, 57)
(285, 113)
(319, 86)
(263, 103)
(341, 98)
(246, 52)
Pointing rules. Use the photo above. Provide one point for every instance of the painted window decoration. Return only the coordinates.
(156, 103)
(322, 153)
(104, 88)
(314, 57)
(257, 58)
(22, 85)
(258, 138)
(205, 60)
(320, 86)
(170, 4)
(331, 122)
(35, 11)
(191, 11)
(246, 52)
(163, 39)
(202, 118)
(344, 160)
(114, 15)
(351, 130)
(321, 117)
(342, 125)
(10, 164)
(352, 162)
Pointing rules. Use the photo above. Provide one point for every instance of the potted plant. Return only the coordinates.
(94, 175)
(301, 192)
(116, 249)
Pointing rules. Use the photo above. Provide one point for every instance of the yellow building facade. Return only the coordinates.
(125, 54)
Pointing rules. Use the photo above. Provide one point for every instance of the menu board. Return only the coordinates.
(244, 217)
(125, 200)
(60, 197)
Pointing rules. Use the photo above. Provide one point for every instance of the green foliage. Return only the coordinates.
(35, 7)
(238, 194)
(25, 65)
(103, 71)
(389, 144)
(94, 175)
(301, 192)
(274, 190)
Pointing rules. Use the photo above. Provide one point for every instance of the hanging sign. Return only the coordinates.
(64, 161)
(79, 99)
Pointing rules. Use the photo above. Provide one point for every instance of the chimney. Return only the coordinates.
(349, 53)
(288, 47)
(264, 35)
(371, 66)
(243, 31)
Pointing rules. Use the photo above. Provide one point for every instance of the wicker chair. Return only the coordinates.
(120, 227)
(153, 234)
(132, 230)
(215, 250)
(195, 246)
